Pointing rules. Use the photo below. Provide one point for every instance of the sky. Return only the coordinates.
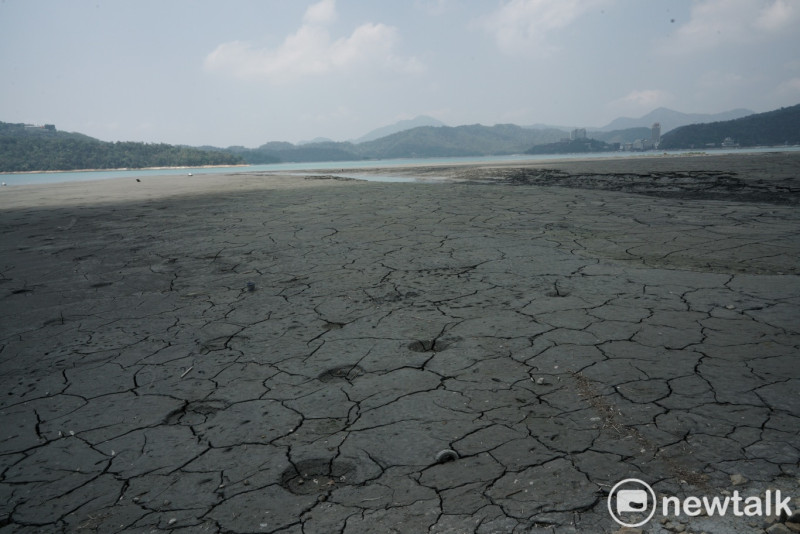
(246, 72)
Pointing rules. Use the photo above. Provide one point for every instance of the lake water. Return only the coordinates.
(342, 166)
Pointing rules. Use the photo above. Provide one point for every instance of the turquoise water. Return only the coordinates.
(56, 177)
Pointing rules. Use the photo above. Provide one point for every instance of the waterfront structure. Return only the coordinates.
(578, 133)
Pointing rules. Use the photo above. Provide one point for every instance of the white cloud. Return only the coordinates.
(523, 26)
(311, 51)
(715, 23)
(641, 101)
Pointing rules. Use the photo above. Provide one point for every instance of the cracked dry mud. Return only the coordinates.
(557, 340)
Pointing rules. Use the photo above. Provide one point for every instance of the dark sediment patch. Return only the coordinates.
(687, 185)
(344, 373)
(316, 475)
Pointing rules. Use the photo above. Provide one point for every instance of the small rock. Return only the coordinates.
(794, 527)
(778, 528)
(628, 530)
(542, 381)
(446, 455)
(172, 521)
(730, 306)
(738, 480)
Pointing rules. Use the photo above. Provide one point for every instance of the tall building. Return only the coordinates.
(578, 133)
(655, 133)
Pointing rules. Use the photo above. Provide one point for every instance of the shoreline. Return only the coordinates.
(769, 178)
(392, 165)
(122, 169)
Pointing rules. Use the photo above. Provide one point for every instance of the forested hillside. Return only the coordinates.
(23, 148)
(470, 140)
(420, 142)
(778, 127)
(26, 148)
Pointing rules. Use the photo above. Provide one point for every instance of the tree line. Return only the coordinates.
(781, 126)
(29, 149)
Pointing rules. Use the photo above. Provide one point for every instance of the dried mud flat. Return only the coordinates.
(488, 354)
(769, 177)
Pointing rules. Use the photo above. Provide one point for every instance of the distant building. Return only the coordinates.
(578, 133)
(640, 145)
(48, 127)
(655, 134)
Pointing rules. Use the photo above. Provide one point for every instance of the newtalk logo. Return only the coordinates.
(632, 503)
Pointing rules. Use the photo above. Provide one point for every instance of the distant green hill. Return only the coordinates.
(422, 120)
(778, 127)
(276, 152)
(472, 140)
(26, 148)
(420, 142)
(436, 141)
(574, 146)
(670, 119)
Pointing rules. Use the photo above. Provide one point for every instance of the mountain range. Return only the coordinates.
(670, 119)
(778, 127)
(620, 130)
(409, 141)
(421, 120)
(23, 148)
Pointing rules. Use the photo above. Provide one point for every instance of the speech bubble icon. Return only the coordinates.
(631, 501)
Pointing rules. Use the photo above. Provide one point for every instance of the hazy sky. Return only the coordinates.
(244, 72)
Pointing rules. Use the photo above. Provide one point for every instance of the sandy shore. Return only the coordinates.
(265, 353)
(181, 167)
